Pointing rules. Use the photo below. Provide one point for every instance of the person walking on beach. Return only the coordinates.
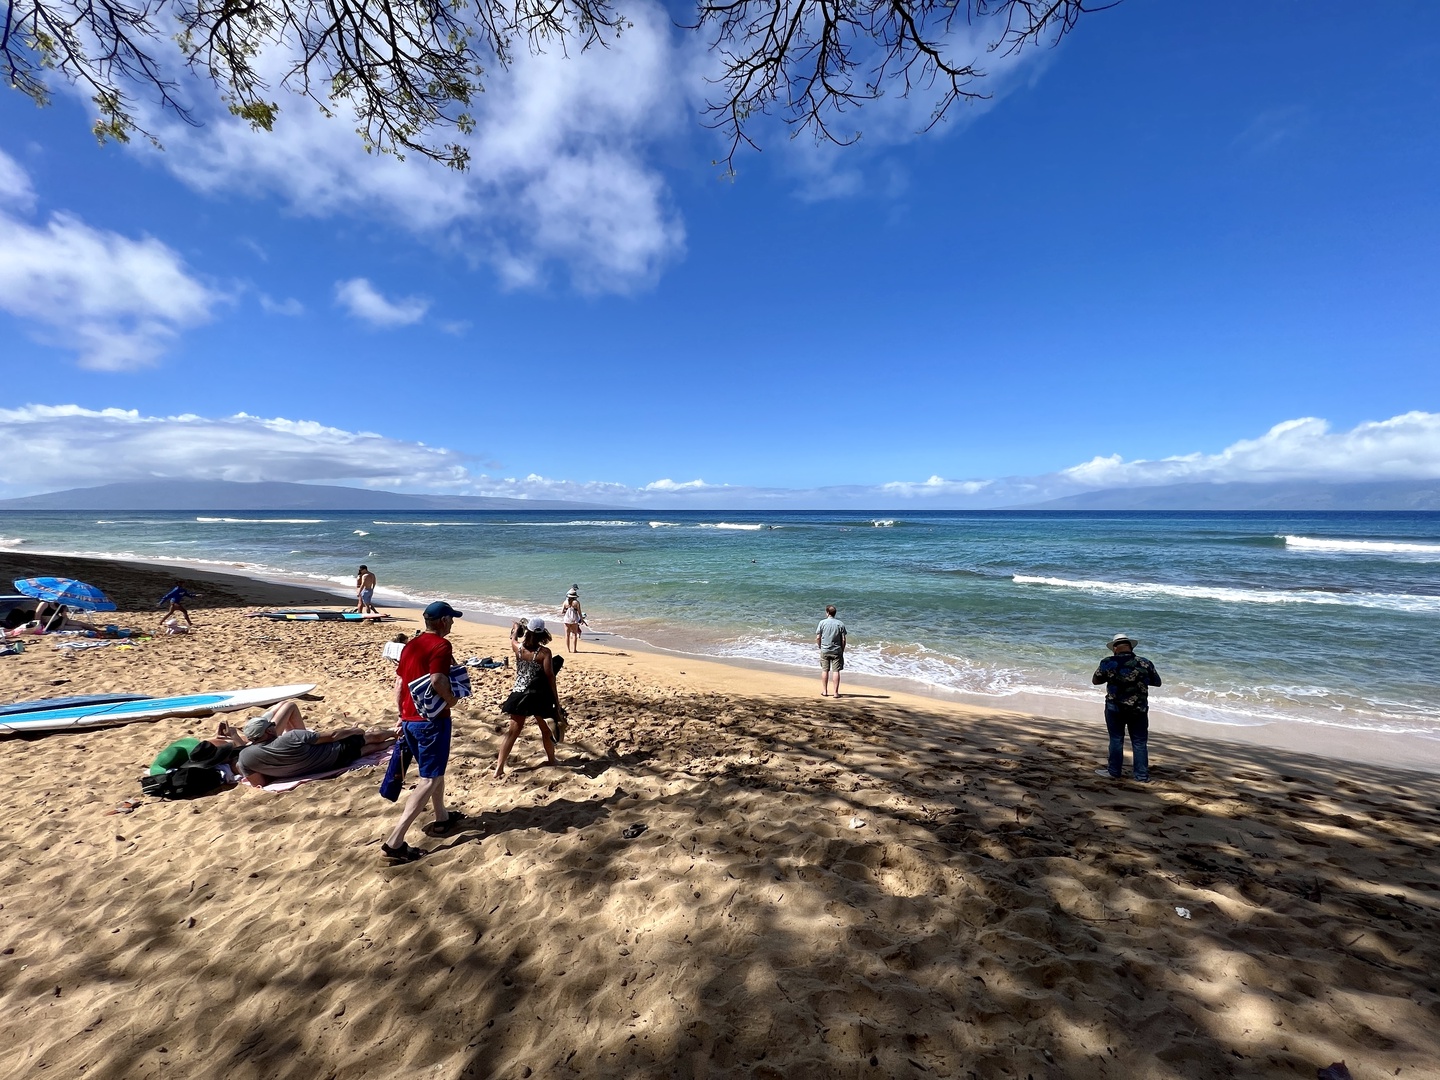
(1127, 679)
(534, 693)
(365, 591)
(573, 618)
(176, 598)
(830, 637)
(427, 741)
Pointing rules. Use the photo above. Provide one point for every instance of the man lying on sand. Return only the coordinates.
(226, 743)
(282, 747)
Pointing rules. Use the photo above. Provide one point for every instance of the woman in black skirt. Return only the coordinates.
(534, 694)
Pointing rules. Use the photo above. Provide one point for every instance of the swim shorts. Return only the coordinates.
(366, 595)
(429, 744)
(832, 661)
(350, 748)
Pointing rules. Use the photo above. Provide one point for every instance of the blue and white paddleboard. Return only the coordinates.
(124, 712)
(319, 616)
(46, 704)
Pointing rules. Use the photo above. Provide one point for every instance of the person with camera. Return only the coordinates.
(534, 694)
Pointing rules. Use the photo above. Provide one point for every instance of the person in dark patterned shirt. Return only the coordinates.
(1127, 679)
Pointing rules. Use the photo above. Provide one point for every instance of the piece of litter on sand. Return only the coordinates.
(126, 807)
(857, 823)
(632, 831)
(1183, 912)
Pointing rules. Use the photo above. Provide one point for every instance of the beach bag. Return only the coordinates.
(187, 782)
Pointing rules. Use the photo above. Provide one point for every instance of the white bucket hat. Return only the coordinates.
(1118, 638)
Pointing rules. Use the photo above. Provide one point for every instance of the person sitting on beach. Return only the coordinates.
(176, 598)
(427, 741)
(573, 618)
(1126, 678)
(281, 747)
(56, 617)
(365, 591)
(534, 693)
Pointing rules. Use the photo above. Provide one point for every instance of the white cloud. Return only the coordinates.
(558, 172)
(45, 447)
(289, 306)
(15, 189)
(50, 447)
(671, 485)
(117, 302)
(1403, 447)
(364, 301)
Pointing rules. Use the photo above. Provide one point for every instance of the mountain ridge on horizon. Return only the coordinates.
(1251, 495)
(175, 495)
(268, 495)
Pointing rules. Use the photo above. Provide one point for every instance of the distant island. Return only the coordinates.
(171, 495)
(1291, 495)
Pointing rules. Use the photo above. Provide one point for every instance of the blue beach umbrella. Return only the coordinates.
(67, 591)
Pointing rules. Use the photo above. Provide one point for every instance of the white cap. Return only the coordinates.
(535, 625)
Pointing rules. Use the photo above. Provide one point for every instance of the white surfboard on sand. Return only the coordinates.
(124, 712)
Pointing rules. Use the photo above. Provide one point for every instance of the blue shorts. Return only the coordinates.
(429, 744)
(366, 595)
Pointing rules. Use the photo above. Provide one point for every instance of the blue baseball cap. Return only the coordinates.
(441, 610)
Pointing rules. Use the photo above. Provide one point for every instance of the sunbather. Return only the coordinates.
(282, 747)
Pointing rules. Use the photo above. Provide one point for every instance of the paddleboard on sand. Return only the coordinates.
(100, 714)
(45, 704)
(320, 616)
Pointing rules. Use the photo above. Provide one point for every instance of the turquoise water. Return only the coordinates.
(1322, 617)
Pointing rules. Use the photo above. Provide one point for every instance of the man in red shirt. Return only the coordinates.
(428, 741)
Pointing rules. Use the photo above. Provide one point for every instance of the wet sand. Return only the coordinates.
(884, 885)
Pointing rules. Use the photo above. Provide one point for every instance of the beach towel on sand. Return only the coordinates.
(292, 782)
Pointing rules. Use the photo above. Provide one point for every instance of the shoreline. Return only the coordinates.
(721, 876)
(1409, 751)
(1058, 691)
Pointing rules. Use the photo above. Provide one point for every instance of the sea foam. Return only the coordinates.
(1231, 595)
(1362, 547)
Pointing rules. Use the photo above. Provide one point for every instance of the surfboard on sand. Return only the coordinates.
(320, 616)
(45, 704)
(101, 714)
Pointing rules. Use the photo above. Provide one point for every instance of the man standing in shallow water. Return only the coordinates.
(1127, 679)
(830, 637)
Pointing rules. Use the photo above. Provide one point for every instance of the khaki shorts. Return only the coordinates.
(829, 662)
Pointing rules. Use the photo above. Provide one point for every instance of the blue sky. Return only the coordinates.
(1182, 227)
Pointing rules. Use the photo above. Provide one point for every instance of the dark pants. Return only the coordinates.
(1117, 720)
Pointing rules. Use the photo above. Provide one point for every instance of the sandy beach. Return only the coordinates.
(884, 885)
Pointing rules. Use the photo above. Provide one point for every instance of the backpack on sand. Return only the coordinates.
(187, 782)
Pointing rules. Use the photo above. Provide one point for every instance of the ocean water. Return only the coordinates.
(1326, 618)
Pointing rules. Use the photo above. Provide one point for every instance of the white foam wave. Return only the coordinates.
(664, 525)
(1362, 547)
(11, 541)
(733, 525)
(260, 521)
(884, 523)
(361, 532)
(430, 524)
(1223, 594)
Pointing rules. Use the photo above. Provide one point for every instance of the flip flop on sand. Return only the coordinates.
(403, 854)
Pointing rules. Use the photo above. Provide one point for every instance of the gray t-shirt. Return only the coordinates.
(832, 635)
(292, 753)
